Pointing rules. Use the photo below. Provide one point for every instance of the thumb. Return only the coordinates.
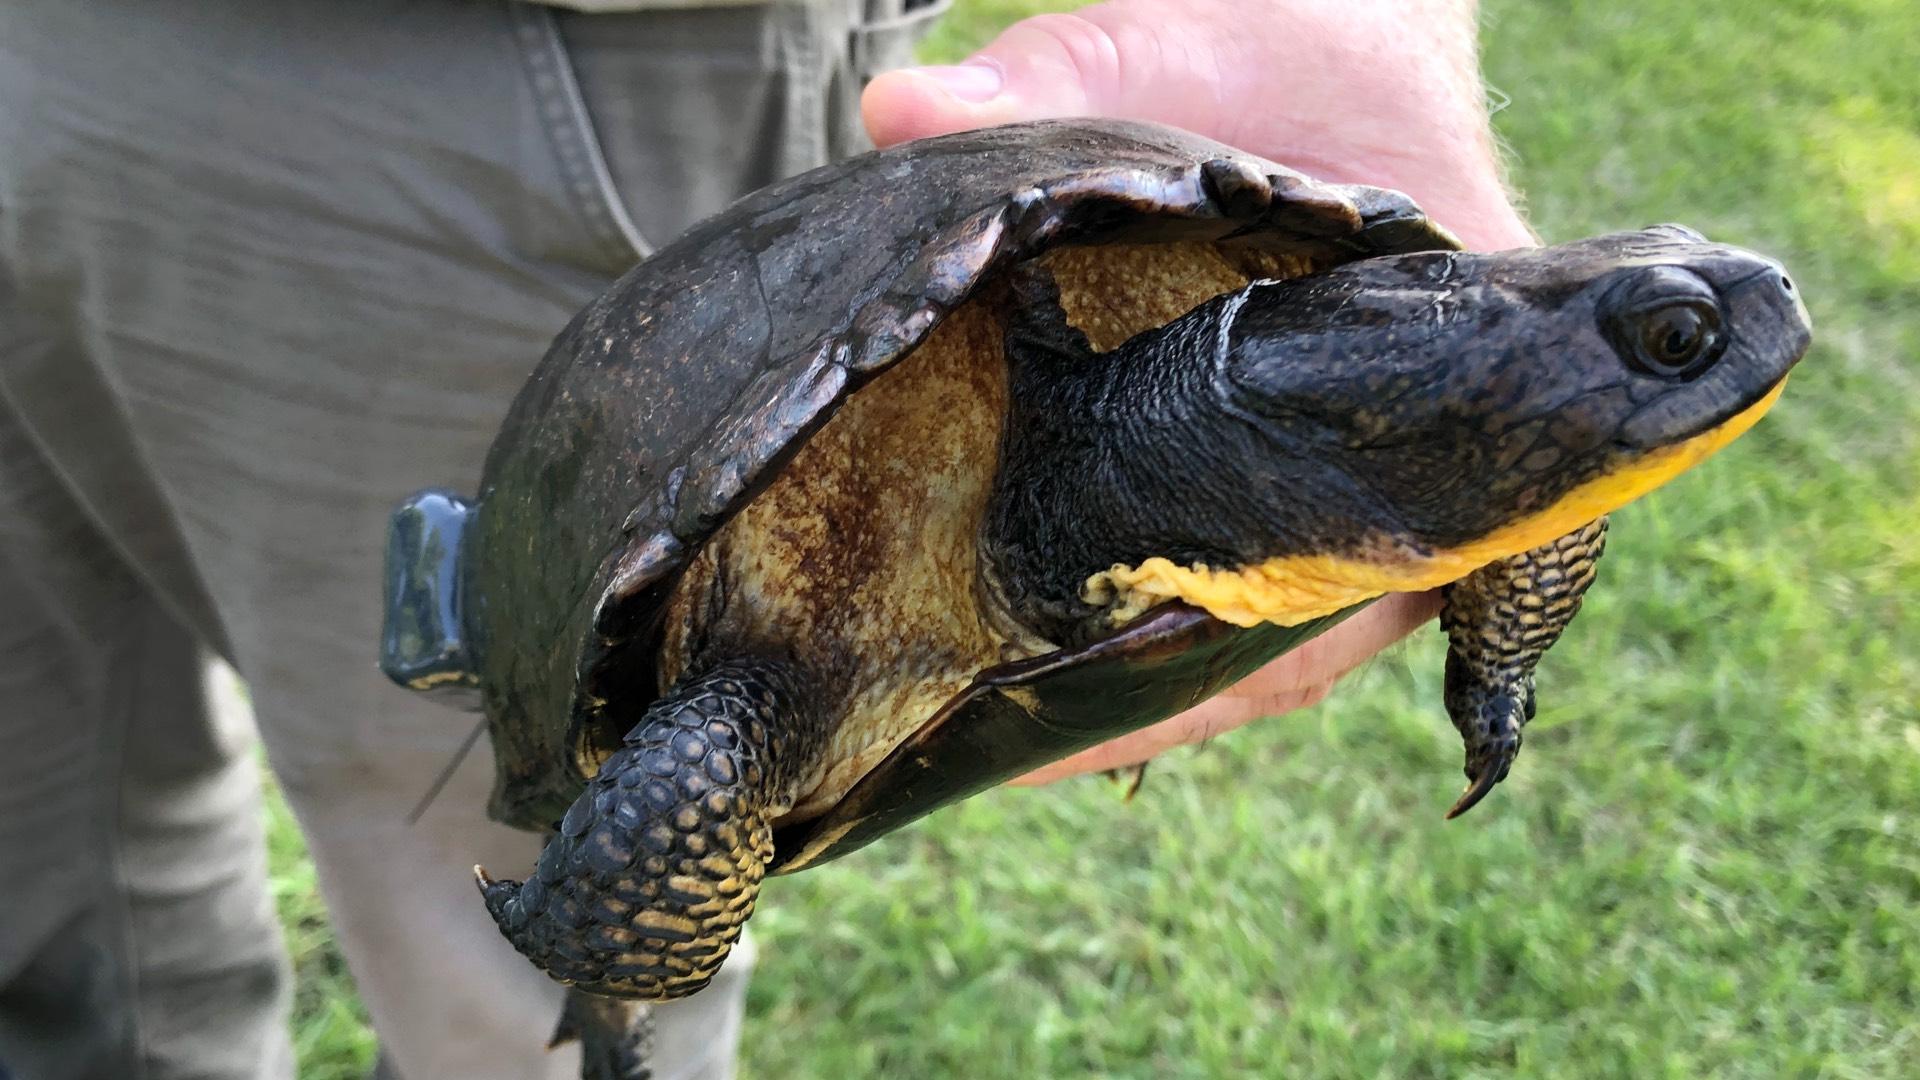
(1096, 62)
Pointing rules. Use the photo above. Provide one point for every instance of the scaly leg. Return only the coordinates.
(1499, 620)
(643, 889)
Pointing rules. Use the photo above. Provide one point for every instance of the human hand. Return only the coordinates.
(1383, 92)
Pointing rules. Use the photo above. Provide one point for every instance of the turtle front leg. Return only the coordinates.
(643, 888)
(1500, 620)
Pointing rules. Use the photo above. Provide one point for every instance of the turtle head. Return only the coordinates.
(1394, 423)
(1462, 395)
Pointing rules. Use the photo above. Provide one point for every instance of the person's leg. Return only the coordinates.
(263, 273)
(139, 940)
(268, 267)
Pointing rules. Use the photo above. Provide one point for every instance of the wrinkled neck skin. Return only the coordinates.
(1122, 456)
(1140, 452)
(1378, 412)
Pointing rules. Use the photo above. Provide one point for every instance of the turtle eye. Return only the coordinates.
(1664, 321)
(1674, 337)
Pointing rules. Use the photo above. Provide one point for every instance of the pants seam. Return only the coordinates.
(113, 750)
(576, 145)
(800, 42)
(913, 19)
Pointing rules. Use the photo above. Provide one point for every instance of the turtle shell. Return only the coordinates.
(681, 393)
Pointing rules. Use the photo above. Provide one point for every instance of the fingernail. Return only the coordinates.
(975, 82)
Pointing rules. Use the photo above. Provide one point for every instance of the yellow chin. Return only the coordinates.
(1295, 588)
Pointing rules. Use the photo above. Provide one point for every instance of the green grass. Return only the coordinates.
(330, 1032)
(1708, 861)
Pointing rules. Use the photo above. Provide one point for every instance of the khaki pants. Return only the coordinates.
(266, 266)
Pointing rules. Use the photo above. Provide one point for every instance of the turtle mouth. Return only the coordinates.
(1738, 415)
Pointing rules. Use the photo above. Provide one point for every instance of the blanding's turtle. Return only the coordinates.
(912, 473)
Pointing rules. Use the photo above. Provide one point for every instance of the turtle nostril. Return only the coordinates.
(1786, 284)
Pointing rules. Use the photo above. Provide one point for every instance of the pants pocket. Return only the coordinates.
(892, 29)
(662, 117)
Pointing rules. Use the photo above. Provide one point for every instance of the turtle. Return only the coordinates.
(906, 475)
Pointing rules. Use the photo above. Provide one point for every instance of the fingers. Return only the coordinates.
(1198, 724)
(1192, 66)
(1046, 66)
(1383, 92)
(1326, 658)
(1117, 59)
(1294, 681)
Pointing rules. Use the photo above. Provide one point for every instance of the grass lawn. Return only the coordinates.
(1708, 861)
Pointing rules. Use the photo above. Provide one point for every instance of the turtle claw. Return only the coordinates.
(1128, 776)
(1492, 771)
(491, 889)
